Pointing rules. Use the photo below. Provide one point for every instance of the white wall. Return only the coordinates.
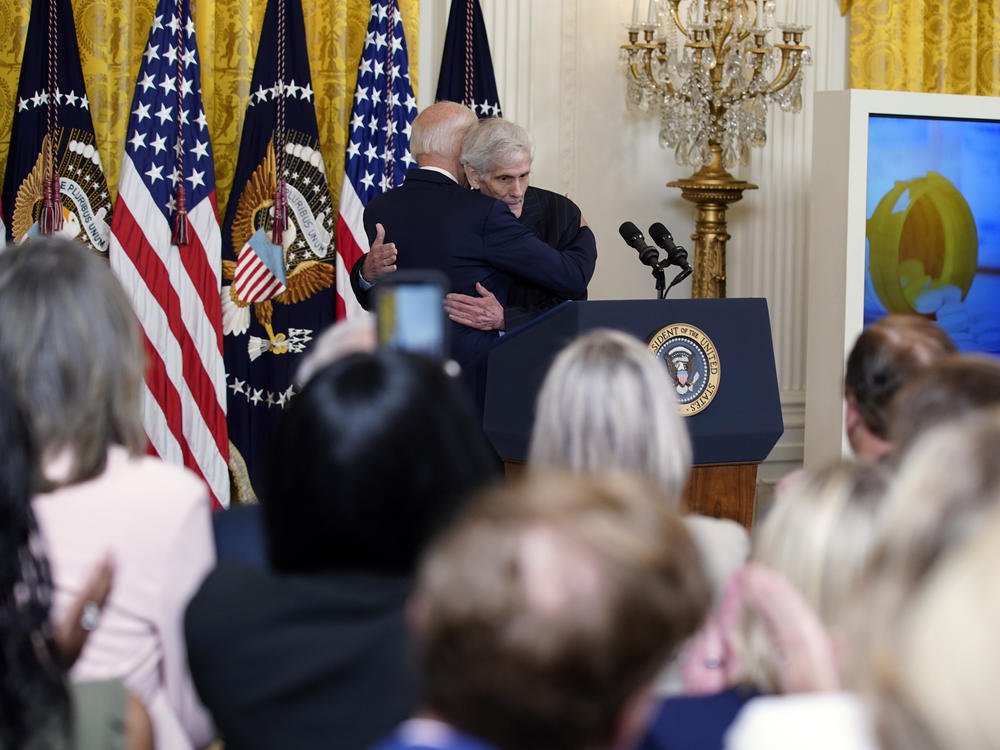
(558, 73)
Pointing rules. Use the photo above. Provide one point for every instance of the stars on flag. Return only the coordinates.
(41, 98)
(382, 115)
(166, 100)
(289, 90)
(486, 109)
(259, 395)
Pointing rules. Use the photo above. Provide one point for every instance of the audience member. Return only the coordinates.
(809, 554)
(239, 530)
(344, 337)
(36, 708)
(497, 156)
(605, 404)
(935, 677)
(946, 484)
(946, 492)
(72, 351)
(888, 353)
(433, 221)
(544, 614)
(946, 487)
(955, 385)
(369, 461)
(819, 536)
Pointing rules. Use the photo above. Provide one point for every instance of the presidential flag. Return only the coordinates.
(466, 67)
(165, 250)
(278, 257)
(54, 180)
(378, 147)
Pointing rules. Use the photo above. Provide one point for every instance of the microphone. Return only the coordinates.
(676, 256)
(633, 237)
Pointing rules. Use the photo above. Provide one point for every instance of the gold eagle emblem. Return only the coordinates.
(304, 278)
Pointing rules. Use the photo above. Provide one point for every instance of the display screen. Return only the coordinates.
(933, 225)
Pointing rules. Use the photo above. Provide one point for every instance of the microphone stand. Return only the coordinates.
(661, 282)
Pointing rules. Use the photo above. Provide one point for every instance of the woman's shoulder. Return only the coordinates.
(156, 478)
(131, 486)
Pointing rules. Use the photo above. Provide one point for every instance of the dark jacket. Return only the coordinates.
(300, 661)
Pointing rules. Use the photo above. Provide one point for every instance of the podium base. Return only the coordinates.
(717, 490)
(723, 491)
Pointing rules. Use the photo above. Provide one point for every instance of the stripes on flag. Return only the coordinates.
(378, 147)
(174, 290)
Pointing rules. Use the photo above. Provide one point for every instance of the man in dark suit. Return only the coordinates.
(497, 155)
(433, 221)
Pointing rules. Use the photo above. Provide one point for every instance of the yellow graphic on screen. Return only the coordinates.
(922, 239)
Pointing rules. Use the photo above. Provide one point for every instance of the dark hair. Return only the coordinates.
(369, 461)
(951, 388)
(32, 690)
(887, 354)
(73, 353)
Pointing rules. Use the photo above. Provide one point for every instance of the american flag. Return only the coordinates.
(378, 150)
(175, 286)
(260, 272)
(466, 66)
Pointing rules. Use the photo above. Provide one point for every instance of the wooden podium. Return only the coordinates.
(731, 436)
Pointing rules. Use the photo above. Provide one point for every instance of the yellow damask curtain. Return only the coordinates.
(942, 46)
(112, 36)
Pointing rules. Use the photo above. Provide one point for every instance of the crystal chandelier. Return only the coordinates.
(711, 73)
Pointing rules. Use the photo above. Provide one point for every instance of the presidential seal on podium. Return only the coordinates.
(693, 363)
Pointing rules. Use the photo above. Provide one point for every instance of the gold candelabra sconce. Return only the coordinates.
(710, 72)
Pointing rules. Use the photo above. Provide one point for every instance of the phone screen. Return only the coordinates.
(411, 316)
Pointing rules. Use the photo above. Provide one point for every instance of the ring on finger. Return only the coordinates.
(90, 615)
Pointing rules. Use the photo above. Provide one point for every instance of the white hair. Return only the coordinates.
(494, 143)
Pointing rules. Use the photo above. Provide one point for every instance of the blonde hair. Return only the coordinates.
(74, 355)
(935, 674)
(607, 403)
(819, 536)
(947, 483)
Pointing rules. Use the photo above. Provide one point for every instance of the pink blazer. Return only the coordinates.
(154, 520)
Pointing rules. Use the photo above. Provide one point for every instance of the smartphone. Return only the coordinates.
(409, 312)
